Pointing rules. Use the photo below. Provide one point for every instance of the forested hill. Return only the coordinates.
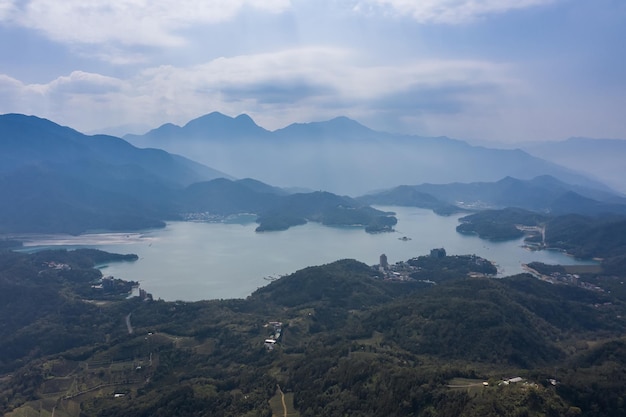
(544, 193)
(57, 180)
(346, 342)
(31, 141)
(602, 237)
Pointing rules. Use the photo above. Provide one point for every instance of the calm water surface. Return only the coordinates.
(194, 261)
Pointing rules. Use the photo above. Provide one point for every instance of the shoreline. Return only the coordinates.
(87, 239)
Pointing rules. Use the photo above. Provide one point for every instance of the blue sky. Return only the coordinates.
(481, 70)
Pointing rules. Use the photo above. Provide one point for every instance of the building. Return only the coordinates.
(438, 253)
(383, 262)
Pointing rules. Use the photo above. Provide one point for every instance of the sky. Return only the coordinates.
(480, 70)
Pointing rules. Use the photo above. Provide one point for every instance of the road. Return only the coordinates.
(128, 325)
(282, 398)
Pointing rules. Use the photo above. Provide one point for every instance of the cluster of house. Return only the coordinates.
(400, 271)
(204, 216)
(589, 286)
(106, 283)
(565, 278)
(57, 265)
(277, 331)
(513, 380)
(111, 284)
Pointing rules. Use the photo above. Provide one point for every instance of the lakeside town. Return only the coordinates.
(418, 268)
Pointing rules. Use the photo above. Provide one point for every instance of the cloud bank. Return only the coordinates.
(162, 23)
(126, 21)
(464, 68)
(446, 11)
(322, 82)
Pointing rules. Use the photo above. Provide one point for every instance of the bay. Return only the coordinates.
(193, 261)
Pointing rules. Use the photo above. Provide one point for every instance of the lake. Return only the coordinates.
(193, 261)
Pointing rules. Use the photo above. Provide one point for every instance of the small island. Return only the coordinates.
(505, 224)
(327, 209)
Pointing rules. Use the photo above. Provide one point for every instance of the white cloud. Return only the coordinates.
(7, 8)
(445, 11)
(128, 22)
(459, 98)
(80, 82)
(8, 83)
(275, 88)
(163, 23)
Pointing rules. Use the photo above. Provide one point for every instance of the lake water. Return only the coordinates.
(194, 261)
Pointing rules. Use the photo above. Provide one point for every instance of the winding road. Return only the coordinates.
(282, 398)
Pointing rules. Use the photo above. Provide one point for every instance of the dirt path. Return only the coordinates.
(128, 325)
(465, 385)
(282, 398)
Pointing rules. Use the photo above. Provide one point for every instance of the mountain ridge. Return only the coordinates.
(543, 194)
(345, 157)
(59, 180)
(600, 158)
(46, 142)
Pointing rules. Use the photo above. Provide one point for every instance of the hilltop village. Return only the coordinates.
(421, 267)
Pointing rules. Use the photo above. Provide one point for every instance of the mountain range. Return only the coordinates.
(543, 194)
(602, 159)
(342, 156)
(58, 180)
(344, 339)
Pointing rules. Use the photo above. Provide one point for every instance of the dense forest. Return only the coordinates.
(500, 224)
(602, 237)
(346, 342)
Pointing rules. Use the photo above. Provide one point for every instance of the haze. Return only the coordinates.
(500, 71)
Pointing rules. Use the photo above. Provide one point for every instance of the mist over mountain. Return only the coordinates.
(543, 193)
(57, 180)
(29, 140)
(221, 126)
(344, 324)
(602, 159)
(342, 156)
(60, 180)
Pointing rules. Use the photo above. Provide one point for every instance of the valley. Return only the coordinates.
(367, 208)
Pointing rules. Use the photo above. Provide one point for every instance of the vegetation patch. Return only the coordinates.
(350, 343)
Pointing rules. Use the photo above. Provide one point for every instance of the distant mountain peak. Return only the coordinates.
(245, 119)
(345, 121)
(30, 121)
(341, 127)
(209, 126)
(213, 117)
(336, 122)
(344, 156)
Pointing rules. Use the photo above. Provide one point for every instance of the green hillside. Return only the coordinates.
(348, 342)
